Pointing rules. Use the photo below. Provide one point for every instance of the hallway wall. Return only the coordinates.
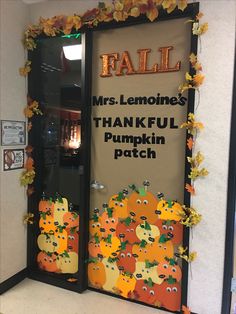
(14, 17)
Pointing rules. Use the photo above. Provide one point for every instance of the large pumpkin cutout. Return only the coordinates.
(46, 225)
(145, 252)
(94, 248)
(147, 232)
(169, 210)
(172, 229)
(112, 274)
(72, 241)
(61, 236)
(126, 231)
(46, 207)
(164, 249)
(169, 295)
(47, 242)
(142, 207)
(108, 224)
(144, 273)
(169, 268)
(119, 204)
(68, 263)
(126, 261)
(96, 274)
(47, 262)
(71, 220)
(125, 284)
(95, 226)
(147, 291)
(110, 246)
(60, 208)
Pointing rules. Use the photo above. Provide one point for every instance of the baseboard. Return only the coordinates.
(12, 281)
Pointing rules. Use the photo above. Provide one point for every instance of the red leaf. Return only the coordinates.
(190, 189)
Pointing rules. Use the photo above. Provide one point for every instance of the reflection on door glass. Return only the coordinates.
(59, 80)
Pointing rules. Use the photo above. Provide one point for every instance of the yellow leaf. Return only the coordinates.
(203, 28)
(199, 158)
(193, 58)
(198, 79)
(152, 14)
(135, 12)
(168, 3)
(118, 6)
(182, 4)
(171, 8)
(188, 77)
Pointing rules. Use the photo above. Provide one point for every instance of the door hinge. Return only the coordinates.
(233, 284)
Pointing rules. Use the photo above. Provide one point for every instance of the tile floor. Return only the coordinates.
(32, 297)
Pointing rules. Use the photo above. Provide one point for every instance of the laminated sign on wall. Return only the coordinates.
(138, 157)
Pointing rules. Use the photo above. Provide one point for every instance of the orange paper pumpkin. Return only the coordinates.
(146, 291)
(119, 206)
(145, 252)
(46, 207)
(169, 210)
(108, 224)
(142, 272)
(71, 220)
(96, 274)
(47, 225)
(94, 248)
(169, 295)
(110, 247)
(164, 250)
(169, 269)
(126, 261)
(143, 207)
(172, 229)
(72, 241)
(112, 274)
(47, 262)
(62, 238)
(125, 284)
(94, 227)
(126, 231)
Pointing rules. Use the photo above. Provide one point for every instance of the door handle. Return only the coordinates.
(96, 185)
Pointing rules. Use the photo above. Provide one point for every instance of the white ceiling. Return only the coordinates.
(33, 1)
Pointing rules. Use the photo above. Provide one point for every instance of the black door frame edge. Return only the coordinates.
(231, 203)
(14, 280)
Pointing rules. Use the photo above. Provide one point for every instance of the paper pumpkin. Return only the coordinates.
(68, 263)
(96, 274)
(147, 291)
(47, 225)
(169, 210)
(126, 231)
(95, 226)
(94, 247)
(110, 246)
(119, 204)
(126, 261)
(142, 206)
(145, 251)
(71, 220)
(108, 224)
(144, 273)
(47, 242)
(169, 269)
(46, 207)
(60, 208)
(147, 232)
(47, 262)
(173, 229)
(164, 250)
(169, 295)
(72, 241)
(112, 274)
(61, 236)
(125, 284)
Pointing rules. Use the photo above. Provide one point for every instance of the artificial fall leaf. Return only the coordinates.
(152, 14)
(189, 216)
(190, 143)
(27, 177)
(72, 279)
(166, 4)
(29, 149)
(182, 250)
(26, 69)
(120, 16)
(29, 165)
(28, 112)
(171, 8)
(203, 28)
(28, 218)
(183, 87)
(29, 126)
(135, 12)
(182, 4)
(192, 58)
(30, 190)
(199, 16)
(188, 77)
(190, 189)
(198, 29)
(119, 6)
(198, 79)
(186, 310)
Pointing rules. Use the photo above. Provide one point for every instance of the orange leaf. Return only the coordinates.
(190, 143)
(185, 309)
(30, 190)
(190, 189)
(152, 14)
(29, 149)
(29, 164)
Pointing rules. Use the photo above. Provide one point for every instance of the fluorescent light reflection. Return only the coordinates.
(73, 52)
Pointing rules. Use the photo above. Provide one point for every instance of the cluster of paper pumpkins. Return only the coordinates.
(133, 241)
(59, 237)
